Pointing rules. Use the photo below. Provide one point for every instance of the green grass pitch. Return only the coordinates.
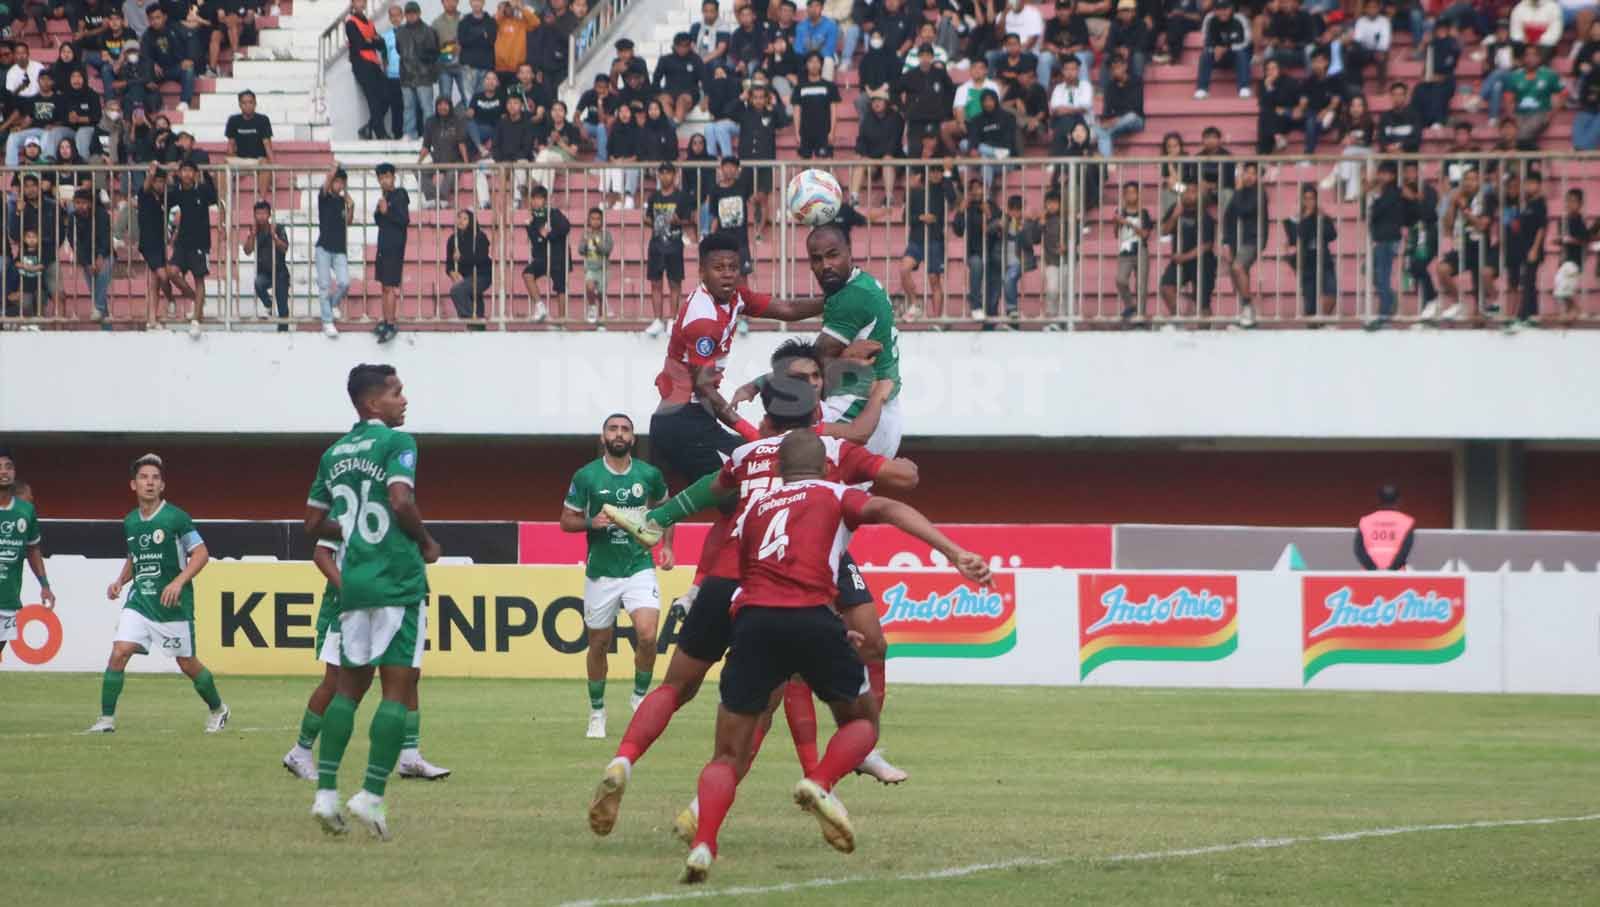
(159, 813)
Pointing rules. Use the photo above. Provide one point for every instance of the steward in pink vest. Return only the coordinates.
(1383, 537)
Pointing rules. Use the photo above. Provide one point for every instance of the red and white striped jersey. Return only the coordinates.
(753, 469)
(790, 540)
(703, 335)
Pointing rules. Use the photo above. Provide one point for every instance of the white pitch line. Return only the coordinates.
(957, 872)
(141, 732)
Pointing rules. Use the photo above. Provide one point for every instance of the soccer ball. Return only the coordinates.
(813, 197)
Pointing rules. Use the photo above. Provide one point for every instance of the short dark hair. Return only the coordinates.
(1532, 176)
(365, 379)
(1054, 195)
(623, 416)
(830, 227)
(1388, 167)
(539, 192)
(1399, 85)
(1571, 193)
(6, 454)
(594, 211)
(148, 459)
(795, 348)
(1211, 130)
(667, 167)
(247, 93)
(1388, 494)
(729, 159)
(384, 168)
(85, 195)
(262, 205)
(189, 165)
(718, 242)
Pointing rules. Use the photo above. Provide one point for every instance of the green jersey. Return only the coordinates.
(381, 566)
(19, 529)
(861, 311)
(159, 547)
(611, 552)
(1533, 93)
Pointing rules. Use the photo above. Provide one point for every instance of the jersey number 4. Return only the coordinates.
(775, 541)
(361, 514)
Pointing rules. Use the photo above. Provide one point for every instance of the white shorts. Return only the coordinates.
(330, 647)
(602, 597)
(885, 440)
(391, 635)
(172, 638)
(8, 626)
(1567, 280)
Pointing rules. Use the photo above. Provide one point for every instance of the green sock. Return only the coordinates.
(641, 682)
(110, 692)
(310, 724)
(206, 686)
(388, 728)
(412, 738)
(338, 723)
(687, 502)
(597, 694)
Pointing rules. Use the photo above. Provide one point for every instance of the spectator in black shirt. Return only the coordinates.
(930, 195)
(1575, 235)
(1027, 101)
(1441, 54)
(1012, 61)
(163, 45)
(393, 218)
(36, 211)
(626, 143)
(1225, 42)
(1386, 219)
(1321, 95)
(982, 223)
(335, 213)
(722, 96)
(484, 111)
(269, 243)
(678, 77)
(815, 98)
(1066, 33)
(759, 119)
(91, 248)
(250, 139)
(668, 210)
(513, 141)
(1525, 246)
(709, 42)
(1193, 264)
(1422, 234)
(993, 133)
(781, 66)
(1310, 241)
(880, 68)
(1399, 128)
(475, 34)
(698, 180)
(730, 208)
(1289, 31)
(1245, 219)
(1278, 104)
(1128, 35)
(191, 250)
(747, 45)
(83, 109)
(547, 47)
(154, 242)
(879, 136)
(1216, 178)
(784, 23)
(1122, 110)
(925, 95)
(658, 137)
(468, 264)
(547, 251)
(444, 138)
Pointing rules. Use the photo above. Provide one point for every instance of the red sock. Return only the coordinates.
(848, 746)
(876, 680)
(648, 722)
(717, 786)
(801, 711)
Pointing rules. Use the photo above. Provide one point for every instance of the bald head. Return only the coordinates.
(801, 456)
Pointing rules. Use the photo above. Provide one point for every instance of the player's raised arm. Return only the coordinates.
(911, 521)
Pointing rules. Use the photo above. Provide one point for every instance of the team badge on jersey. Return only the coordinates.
(158, 536)
(638, 490)
(705, 346)
(22, 521)
(408, 459)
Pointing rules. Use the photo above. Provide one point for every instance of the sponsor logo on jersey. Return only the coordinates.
(704, 346)
(1381, 620)
(18, 525)
(1155, 618)
(941, 615)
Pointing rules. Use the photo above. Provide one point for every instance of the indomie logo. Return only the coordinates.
(1135, 617)
(1381, 620)
(924, 616)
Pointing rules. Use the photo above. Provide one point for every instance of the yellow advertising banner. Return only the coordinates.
(483, 620)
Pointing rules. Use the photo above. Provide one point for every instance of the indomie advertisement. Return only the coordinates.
(1176, 617)
(941, 614)
(1405, 620)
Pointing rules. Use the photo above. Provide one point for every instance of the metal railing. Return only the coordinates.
(331, 47)
(588, 39)
(1062, 259)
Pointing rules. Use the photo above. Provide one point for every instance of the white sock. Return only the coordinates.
(301, 752)
(328, 798)
(694, 807)
(410, 755)
(627, 766)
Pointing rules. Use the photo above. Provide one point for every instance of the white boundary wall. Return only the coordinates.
(1214, 384)
(1524, 633)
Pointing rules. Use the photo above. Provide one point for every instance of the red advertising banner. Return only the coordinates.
(940, 614)
(1370, 619)
(1069, 546)
(1148, 617)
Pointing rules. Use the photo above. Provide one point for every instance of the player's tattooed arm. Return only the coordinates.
(911, 521)
(403, 504)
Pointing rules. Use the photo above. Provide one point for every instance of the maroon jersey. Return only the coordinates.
(790, 540)
(703, 335)
(753, 469)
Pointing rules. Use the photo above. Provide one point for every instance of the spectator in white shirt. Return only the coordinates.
(22, 79)
(1023, 19)
(968, 102)
(1537, 22)
(1369, 44)
(1071, 102)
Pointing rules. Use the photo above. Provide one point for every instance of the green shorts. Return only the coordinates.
(392, 635)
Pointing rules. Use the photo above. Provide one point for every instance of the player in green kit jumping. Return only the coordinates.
(165, 554)
(856, 308)
(19, 541)
(619, 574)
(366, 483)
(299, 761)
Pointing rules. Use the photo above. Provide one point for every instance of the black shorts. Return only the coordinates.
(555, 270)
(191, 261)
(155, 256)
(390, 267)
(763, 177)
(772, 644)
(853, 591)
(708, 628)
(690, 441)
(669, 264)
(1466, 259)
